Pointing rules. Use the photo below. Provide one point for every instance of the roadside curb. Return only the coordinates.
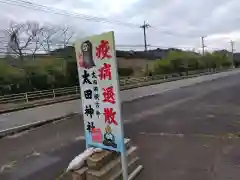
(18, 129)
(154, 82)
(28, 106)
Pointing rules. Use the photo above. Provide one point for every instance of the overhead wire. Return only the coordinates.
(62, 43)
(53, 10)
(35, 6)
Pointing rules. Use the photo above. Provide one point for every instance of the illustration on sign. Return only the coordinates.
(109, 139)
(86, 58)
(98, 79)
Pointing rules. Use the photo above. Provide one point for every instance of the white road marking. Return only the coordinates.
(8, 166)
(34, 154)
(79, 138)
(162, 134)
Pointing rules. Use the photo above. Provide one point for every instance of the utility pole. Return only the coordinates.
(145, 26)
(232, 51)
(203, 46)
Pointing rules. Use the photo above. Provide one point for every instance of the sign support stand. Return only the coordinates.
(124, 164)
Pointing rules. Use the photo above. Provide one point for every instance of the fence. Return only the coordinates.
(75, 90)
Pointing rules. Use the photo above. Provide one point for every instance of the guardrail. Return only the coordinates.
(45, 95)
(37, 95)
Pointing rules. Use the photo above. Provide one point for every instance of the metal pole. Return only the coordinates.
(76, 89)
(145, 38)
(144, 26)
(123, 148)
(203, 46)
(54, 95)
(26, 97)
(124, 163)
(232, 49)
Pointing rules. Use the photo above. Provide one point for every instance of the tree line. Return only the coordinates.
(34, 61)
(184, 61)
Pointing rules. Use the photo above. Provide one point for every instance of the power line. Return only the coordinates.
(61, 43)
(56, 44)
(39, 7)
(67, 44)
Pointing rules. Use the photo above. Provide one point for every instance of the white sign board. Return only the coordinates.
(99, 83)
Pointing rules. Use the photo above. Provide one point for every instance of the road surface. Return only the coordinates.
(28, 116)
(182, 134)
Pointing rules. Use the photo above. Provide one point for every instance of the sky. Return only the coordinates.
(174, 23)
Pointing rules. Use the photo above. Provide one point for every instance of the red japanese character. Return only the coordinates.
(103, 49)
(105, 72)
(109, 95)
(110, 116)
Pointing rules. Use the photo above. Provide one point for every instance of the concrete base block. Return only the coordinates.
(98, 160)
(112, 168)
(80, 174)
(106, 165)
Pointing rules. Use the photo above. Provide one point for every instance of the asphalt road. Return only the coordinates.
(28, 116)
(182, 134)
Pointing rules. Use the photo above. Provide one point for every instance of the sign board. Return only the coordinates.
(99, 83)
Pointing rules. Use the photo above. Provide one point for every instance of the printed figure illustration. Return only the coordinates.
(109, 138)
(86, 60)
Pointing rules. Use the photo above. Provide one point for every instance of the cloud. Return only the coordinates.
(175, 23)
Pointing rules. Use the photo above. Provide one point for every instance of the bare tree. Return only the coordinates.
(67, 34)
(36, 43)
(22, 36)
(3, 48)
(48, 34)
